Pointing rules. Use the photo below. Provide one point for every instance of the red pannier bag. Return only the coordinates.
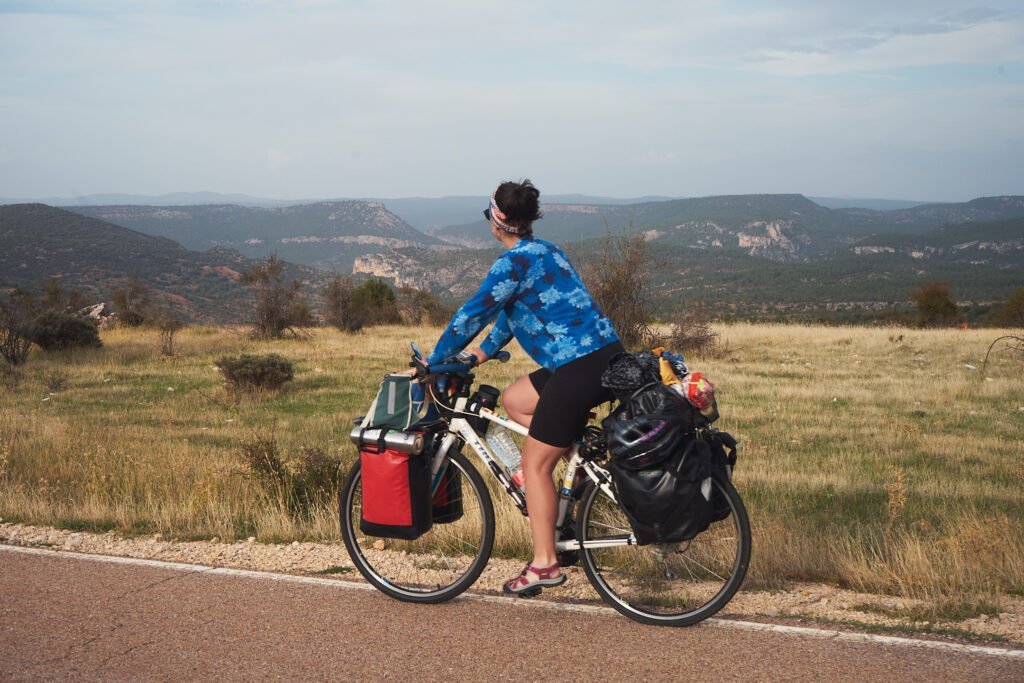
(396, 492)
(447, 503)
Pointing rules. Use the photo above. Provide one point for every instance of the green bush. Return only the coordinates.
(56, 331)
(373, 303)
(256, 373)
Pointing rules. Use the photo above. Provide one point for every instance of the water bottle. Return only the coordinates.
(506, 450)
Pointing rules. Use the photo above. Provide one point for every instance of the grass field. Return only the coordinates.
(875, 458)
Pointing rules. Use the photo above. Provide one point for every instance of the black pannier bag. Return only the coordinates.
(670, 502)
(723, 459)
(447, 502)
(396, 500)
(661, 471)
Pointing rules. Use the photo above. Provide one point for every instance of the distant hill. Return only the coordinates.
(865, 203)
(39, 241)
(324, 235)
(928, 216)
(779, 227)
(869, 279)
(432, 214)
(771, 256)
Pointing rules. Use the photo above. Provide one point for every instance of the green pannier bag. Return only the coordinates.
(400, 404)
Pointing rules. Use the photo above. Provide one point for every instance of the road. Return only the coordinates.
(67, 616)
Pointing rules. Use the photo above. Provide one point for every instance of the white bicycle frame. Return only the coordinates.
(460, 427)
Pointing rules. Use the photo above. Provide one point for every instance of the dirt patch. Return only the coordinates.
(815, 602)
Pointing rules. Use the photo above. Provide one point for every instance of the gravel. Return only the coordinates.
(803, 601)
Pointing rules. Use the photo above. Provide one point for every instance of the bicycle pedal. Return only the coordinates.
(530, 592)
(569, 558)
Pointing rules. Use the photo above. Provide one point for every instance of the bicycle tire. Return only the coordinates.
(437, 566)
(693, 579)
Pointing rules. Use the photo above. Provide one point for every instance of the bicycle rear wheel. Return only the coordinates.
(676, 584)
(438, 565)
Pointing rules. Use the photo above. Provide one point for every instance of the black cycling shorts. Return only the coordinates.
(568, 394)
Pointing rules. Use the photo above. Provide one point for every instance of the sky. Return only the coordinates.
(292, 99)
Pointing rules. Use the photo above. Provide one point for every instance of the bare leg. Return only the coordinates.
(538, 464)
(520, 400)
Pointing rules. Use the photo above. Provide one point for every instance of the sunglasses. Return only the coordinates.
(487, 214)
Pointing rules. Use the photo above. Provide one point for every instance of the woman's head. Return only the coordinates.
(514, 207)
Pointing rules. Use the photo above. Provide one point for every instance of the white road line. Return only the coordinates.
(536, 604)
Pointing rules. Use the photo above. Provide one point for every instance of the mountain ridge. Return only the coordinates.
(94, 257)
(326, 235)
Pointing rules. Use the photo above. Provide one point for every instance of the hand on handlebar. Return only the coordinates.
(470, 358)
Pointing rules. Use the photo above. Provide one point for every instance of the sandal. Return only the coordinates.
(521, 585)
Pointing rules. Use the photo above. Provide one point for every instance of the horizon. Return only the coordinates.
(284, 100)
(219, 197)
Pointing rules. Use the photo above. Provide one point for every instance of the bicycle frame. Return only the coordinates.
(459, 427)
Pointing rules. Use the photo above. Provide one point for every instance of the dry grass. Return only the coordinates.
(872, 458)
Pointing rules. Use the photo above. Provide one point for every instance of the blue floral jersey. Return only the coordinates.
(533, 294)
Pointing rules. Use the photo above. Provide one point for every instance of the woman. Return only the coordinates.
(533, 294)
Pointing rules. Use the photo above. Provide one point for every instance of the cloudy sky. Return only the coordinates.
(913, 99)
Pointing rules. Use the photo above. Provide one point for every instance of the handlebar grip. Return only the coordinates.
(448, 367)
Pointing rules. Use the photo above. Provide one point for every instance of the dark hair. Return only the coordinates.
(520, 202)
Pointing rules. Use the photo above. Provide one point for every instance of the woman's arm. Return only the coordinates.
(500, 334)
(498, 288)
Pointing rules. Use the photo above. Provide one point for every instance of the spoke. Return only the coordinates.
(688, 559)
(709, 556)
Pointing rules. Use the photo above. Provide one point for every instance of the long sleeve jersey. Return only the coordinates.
(531, 293)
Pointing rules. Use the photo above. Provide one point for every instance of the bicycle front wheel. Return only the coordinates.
(438, 565)
(671, 584)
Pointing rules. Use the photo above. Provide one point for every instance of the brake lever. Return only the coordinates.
(422, 369)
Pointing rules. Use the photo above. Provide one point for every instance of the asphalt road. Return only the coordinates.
(64, 616)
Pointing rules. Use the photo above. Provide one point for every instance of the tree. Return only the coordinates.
(935, 308)
(55, 298)
(619, 281)
(132, 302)
(373, 303)
(1011, 313)
(339, 296)
(17, 315)
(419, 307)
(280, 308)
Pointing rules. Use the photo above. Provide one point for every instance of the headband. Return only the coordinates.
(498, 216)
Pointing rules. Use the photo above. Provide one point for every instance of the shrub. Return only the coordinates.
(256, 373)
(131, 303)
(1011, 312)
(338, 298)
(56, 331)
(302, 485)
(315, 478)
(167, 325)
(373, 303)
(56, 380)
(279, 307)
(691, 332)
(261, 457)
(17, 311)
(619, 283)
(419, 307)
(935, 307)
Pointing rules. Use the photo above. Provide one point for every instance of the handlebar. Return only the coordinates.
(452, 366)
